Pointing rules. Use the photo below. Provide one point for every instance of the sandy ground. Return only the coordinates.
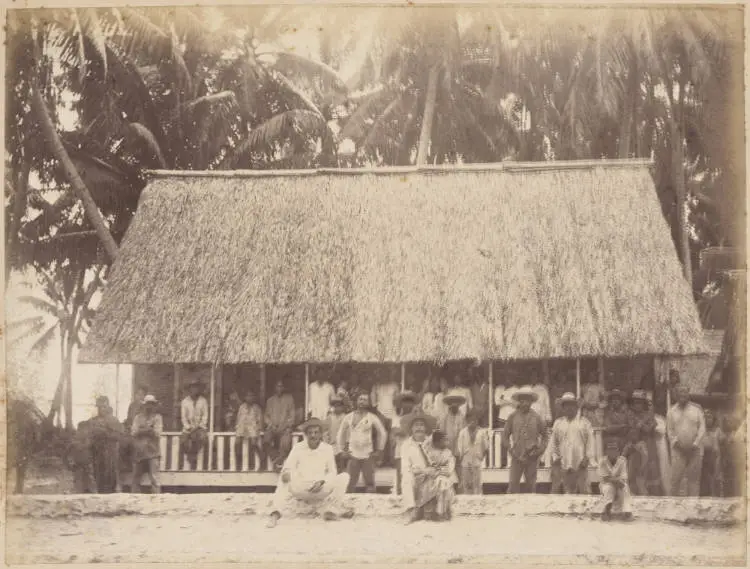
(466, 539)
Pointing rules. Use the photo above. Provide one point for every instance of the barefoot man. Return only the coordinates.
(309, 478)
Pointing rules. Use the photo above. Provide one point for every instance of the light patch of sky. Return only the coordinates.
(88, 380)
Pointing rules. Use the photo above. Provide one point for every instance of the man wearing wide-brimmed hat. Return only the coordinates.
(571, 448)
(415, 464)
(453, 420)
(525, 434)
(194, 415)
(146, 430)
(615, 417)
(405, 401)
(309, 478)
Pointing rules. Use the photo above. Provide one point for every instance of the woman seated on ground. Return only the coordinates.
(427, 471)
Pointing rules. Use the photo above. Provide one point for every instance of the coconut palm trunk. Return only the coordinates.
(79, 187)
(427, 117)
(678, 175)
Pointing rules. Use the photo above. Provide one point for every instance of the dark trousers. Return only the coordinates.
(192, 443)
(278, 444)
(367, 467)
(341, 463)
(255, 448)
(526, 468)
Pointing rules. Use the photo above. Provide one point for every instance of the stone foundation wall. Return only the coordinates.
(709, 511)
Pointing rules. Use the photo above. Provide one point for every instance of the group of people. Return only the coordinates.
(101, 445)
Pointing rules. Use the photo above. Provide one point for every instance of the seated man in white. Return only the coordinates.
(309, 478)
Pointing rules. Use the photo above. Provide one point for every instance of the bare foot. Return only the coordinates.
(348, 514)
(273, 520)
(329, 516)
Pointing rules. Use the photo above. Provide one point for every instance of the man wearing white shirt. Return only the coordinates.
(309, 478)
(382, 398)
(194, 416)
(320, 396)
(572, 448)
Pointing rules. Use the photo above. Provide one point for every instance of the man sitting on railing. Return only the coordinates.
(194, 415)
(309, 478)
(249, 428)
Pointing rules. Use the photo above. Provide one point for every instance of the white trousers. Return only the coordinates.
(295, 497)
(618, 497)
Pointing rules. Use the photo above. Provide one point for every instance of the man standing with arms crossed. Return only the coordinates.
(355, 441)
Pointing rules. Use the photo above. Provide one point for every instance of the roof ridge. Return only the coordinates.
(391, 170)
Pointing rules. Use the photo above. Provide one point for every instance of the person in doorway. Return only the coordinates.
(331, 427)
(459, 388)
(135, 406)
(472, 448)
(571, 448)
(734, 453)
(78, 459)
(309, 478)
(711, 471)
(662, 448)
(613, 481)
(194, 416)
(146, 430)
(526, 435)
(321, 392)
(480, 395)
(615, 418)
(594, 401)
(432, 399)
(642, 419)
(405, 403)
(231, 408)
(249, 431)
(355, 439)
(106, 434)
(382, 398)
(686, 428)
(453, 421)
(279, 421)
(345, 394)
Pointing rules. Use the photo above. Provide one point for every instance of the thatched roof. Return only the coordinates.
(507, 261)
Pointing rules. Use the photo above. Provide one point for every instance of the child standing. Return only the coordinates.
(613, 482)
(473, 446)
(444, 462)
(249, 429)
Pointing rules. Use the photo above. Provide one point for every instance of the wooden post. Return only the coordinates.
(578, 378)
(490, 396)
(176, 398)
(117, 390)
(263, 384)
(600, 365)
(403, 376)
(657, 377)
(307, 390)
(211, 415)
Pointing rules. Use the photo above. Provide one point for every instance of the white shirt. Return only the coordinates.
(572, 441)
(194, 413)
(320, 399)
(542, 405)
(306, 465)
(432, 404)
(382, 397)
(504, 400)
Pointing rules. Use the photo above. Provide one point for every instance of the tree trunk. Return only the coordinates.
(82, 192)
(19, 208)
(631, 95)
(427, 117)
(68, 371)
(678, 176)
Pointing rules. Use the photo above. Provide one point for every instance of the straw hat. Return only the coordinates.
(408, 421)
(526, 392)
(310, 423)
(337, 400)
(615, 393)
(150, 399)
(639, 395)
(194, 382)
(567, 397)
(454, 397)
(406, 395)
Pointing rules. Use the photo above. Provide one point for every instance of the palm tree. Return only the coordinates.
(63, 313)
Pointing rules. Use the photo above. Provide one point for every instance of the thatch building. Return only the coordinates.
(243, 276)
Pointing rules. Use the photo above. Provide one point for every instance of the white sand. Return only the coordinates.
(218, 538)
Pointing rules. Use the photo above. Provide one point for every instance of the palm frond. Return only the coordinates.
(41, 305)
(43, 342)
(226, 99)
(356, 125)
(290, 63)
(91, 27)
(78, 30)
(284, 124)
(143, 133)
(289, 86)
(33, 325)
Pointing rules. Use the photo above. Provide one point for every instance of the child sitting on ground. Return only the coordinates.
(443, 460)
(613, 482)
